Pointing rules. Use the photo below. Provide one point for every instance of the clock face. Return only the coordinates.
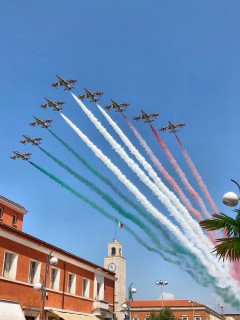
(112, 267)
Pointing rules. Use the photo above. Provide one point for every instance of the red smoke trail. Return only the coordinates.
(164, 172)
(197, 177)
(180, 173)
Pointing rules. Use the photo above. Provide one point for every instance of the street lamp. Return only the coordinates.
(192, 302)
(230, 198)
(53, 261)
(126, 304)
(161, 283)
(221, 308)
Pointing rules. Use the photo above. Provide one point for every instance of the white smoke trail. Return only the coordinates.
(189, 232)
(190, 226)
(189, 221)
(215, 270)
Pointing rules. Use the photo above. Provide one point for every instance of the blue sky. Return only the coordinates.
(179, 59)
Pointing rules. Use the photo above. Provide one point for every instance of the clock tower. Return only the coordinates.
(115, 262)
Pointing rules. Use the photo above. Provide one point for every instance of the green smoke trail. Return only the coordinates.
(198, 274)
(111, 202)
(102, 211)
(138, 208)
(176, 249)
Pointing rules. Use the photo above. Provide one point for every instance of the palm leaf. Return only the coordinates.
(222, 221)
(229, 248)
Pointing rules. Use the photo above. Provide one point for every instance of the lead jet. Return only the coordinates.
(90, 95)
(43, 123)
(172, 127)
(23, 156)
(146, 117)
(33, 141)
(65, 83)
(117, 106)
(52, 104)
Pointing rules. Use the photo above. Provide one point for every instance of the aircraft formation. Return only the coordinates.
(191, 241)
(93, 97)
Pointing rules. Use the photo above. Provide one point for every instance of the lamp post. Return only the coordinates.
(221, 308)
(192, 302)
(53, 261)
(230, 198)
(161, 283)
(126, 304)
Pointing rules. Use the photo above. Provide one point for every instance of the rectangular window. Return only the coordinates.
(197, 318)
(54, 279)
(184, 317)
(71, 283)
(14, 219)
(34, 271)
(85, 288)
(10, 265)
(99, 291)
(1, 212)
(135, 317)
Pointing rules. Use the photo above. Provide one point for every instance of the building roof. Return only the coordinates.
(12, 204)
(167, 303)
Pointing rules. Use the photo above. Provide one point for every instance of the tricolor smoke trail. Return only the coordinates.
(113, 204)
(216, 270)
(189, 233)
(102, 211)
(199, 276)
(197, 177)
(163, 171)
(188, 224)
(180, 173)
(104, 179)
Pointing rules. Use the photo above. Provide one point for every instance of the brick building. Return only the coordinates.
(182, 310)
(76, 289)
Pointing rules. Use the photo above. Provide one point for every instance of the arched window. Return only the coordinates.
(113, 251)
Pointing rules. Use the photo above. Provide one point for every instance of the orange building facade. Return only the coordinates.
(182, 310)
(75, 288)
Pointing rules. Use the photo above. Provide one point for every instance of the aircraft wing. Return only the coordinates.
(97, 93)
(138, 118)
(56, 84)
(152, 115)
(82, 97)
(108, 107)
(180, 125)
(164, 129)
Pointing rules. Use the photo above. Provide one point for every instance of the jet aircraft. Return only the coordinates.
(172, 127)
(23, 156)
(52, 104)
(90, 95)
(64, 83)
(144, 116)
(33, 141)
(43, 123)
(117, 106)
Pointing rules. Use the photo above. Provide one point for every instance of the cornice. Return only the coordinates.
(43, 249)
(12, 205)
